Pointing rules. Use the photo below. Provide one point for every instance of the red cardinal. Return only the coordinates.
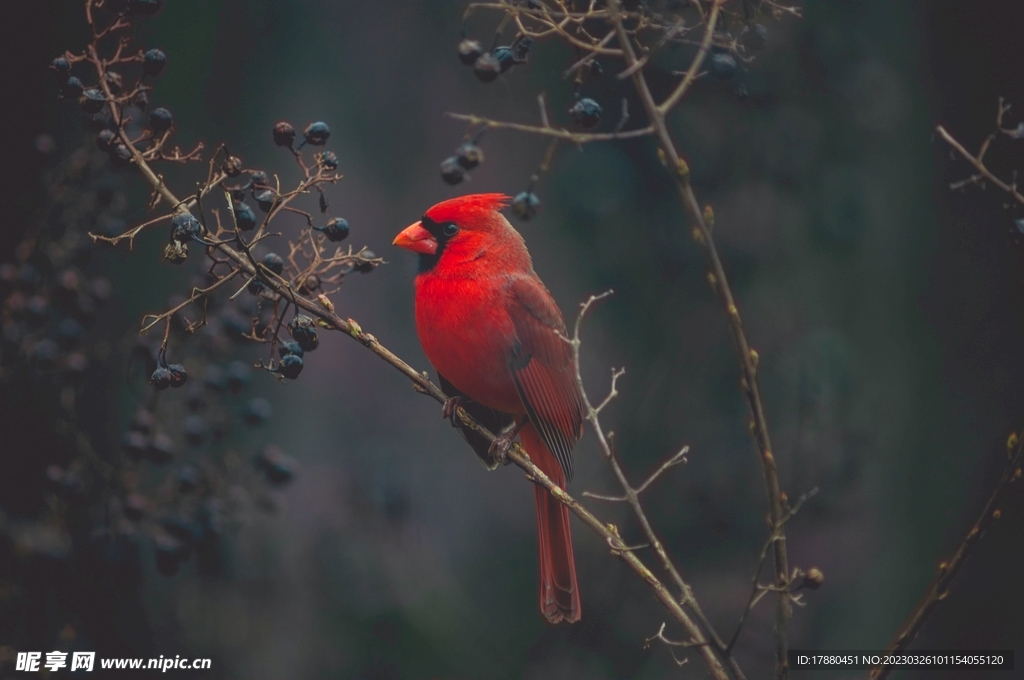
(496, 338)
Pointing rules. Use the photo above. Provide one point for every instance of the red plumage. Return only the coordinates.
(496, 338)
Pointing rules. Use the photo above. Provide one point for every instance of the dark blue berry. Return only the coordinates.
(259, 178)
(335, 230)
(452, 171)
(505, 57)
(586, 112)
(161, 449)
(290, 366)
(92, 101)
(179, 376)
(153, 62)
(722, 66)
(274, 263)
(161, 120)
(257, 412)
(278, 467)
(255, 287)
(265, 199)
(289, 347)
(317, 133)
(134, 443)
(161, 378)
(105, 139)
(366, 267)
(194, 428)
(61, 70)
(525, 205)
(245, 218)
(120, 155)
(188, 478)
(140, 100)
(239, 373)
(72, 89)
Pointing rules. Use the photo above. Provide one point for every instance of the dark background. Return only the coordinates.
(885, 309)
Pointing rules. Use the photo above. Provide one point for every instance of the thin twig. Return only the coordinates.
(745, 355)
(938, 590)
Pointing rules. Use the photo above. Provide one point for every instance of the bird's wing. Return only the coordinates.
(543, 368)
(493, 420)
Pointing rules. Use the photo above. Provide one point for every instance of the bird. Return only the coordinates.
(497, 339)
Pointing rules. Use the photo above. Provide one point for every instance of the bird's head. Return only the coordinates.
(461, 230)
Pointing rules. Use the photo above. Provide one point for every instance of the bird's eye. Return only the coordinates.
(450, 229)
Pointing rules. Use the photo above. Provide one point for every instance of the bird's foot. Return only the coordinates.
(450, 408)
(500, 447)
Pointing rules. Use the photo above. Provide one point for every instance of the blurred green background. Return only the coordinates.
(885, 310)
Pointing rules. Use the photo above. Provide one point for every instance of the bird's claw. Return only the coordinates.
(450, 408)
(500, 447)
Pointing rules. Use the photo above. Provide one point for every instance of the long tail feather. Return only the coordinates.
(559, 593)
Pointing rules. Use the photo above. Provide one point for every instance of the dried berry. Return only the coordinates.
(525, 205)
(469, 155)
(521, 48)
(161, 378)
(310, 283)
(290, 366)
(245, 218)
(184, 227)
(274, 263)
(452, 171)
(259, 178)
(335, 230)
(161, 120)
(141, 100)
(179, 376)
(232, 167)
(316, 133)
(470, 51)
(92, 101)
(487, 68)
(329, 159)
(176, 252)
(586, 112)
(153, 62)
(284, 134)
(304, 332)
(814, 578)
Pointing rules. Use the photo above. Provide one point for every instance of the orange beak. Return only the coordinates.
(417, 239)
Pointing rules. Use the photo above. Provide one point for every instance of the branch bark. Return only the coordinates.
(747, 358)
